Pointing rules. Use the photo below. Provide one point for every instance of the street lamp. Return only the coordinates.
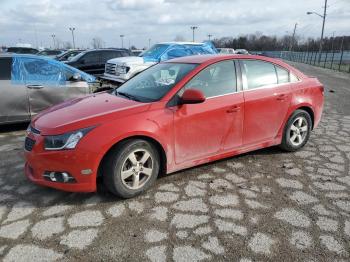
(53, 39)
(122, 38)
(149, 42)
(72, 30)
(193, 28)
(323, 22)
(209, 36)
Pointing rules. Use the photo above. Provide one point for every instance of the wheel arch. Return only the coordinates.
(153, 141)
(310, 111)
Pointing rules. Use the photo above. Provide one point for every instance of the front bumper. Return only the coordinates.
(39, 161)
(119, 79)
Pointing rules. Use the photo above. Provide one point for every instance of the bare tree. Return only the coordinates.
(179, 38)
(67, 45)
(97, 42)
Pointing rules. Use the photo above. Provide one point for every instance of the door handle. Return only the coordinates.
(35, 86)
(233, 109)
(281, 97)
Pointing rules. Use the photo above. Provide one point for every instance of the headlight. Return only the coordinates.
(65, 141)
(121, 69)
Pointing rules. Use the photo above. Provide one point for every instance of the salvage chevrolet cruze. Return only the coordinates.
(174, 115)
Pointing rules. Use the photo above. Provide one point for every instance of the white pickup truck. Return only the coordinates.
(121, 69)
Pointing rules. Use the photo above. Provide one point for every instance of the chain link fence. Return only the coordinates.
(337, 59)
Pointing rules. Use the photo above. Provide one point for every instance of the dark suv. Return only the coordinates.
(22, 50)
(93, 61)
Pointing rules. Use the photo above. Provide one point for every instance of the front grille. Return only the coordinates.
(110, 69)
(34, 130)
(29, 144)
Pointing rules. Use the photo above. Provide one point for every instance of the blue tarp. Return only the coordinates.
(163, 52)
(34, 70)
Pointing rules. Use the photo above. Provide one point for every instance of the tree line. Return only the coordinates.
(261, 42)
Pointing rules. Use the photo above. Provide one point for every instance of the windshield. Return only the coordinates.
(155, 51)
(155, 82)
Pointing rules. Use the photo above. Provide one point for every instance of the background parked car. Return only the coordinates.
(93, 61)
(226, 50)
(30, 84)
(242, 52)
(50, 53)
(69, 54)
(121, 69)
(136, 52)
(22, 50)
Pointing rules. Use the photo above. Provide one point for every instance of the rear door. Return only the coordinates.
(14, 105)
(267, 96)
(49, 82)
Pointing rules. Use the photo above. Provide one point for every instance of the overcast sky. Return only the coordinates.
(31, 21)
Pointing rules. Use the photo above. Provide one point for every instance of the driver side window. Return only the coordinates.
(215, 80)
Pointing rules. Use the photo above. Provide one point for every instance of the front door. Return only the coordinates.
(14, 105)
(267, 98)
(49, 83)
(214, 126)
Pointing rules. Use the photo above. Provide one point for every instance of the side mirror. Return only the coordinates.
(192, 96)
(76, 77)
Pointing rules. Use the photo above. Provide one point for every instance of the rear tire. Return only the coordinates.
(297, 131)
(131, 168)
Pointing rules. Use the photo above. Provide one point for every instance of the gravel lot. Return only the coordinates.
(262, 206)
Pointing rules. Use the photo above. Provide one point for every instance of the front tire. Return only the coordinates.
(131, 168)
(297, 131)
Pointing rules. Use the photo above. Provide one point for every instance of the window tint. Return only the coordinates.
(293, 78)
(215, 80)
(282, 75)
(259, 73)
(92, 57)
(106, 55)
(5, 68)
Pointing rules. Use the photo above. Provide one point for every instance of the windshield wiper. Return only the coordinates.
(131, 97)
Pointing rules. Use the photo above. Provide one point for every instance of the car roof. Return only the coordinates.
(210, 59)
(180, 43)
(6, 55)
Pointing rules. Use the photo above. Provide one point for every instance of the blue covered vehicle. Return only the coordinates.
(30, 84)
(123, 68)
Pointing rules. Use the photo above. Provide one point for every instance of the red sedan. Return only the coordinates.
(174, 115)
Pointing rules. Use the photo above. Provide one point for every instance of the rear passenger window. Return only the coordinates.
(5, 68)
(293, 78)
(107, 55)
(92, 57)
(282, 75)
(259, 73)
(215, 80)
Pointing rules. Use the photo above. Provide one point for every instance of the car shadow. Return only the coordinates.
(13, 127)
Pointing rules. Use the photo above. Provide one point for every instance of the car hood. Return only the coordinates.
(85, 112)
(130, 60)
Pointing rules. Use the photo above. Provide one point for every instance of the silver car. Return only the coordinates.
(30, 84)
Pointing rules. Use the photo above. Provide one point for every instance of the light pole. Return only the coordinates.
(72, 30)
(323, 22)
(149, 42)
(209, 36)
(53, 39)
(193, 28)
(293, 37)
(122, 38)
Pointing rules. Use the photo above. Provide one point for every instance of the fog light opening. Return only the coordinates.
(60, 177)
